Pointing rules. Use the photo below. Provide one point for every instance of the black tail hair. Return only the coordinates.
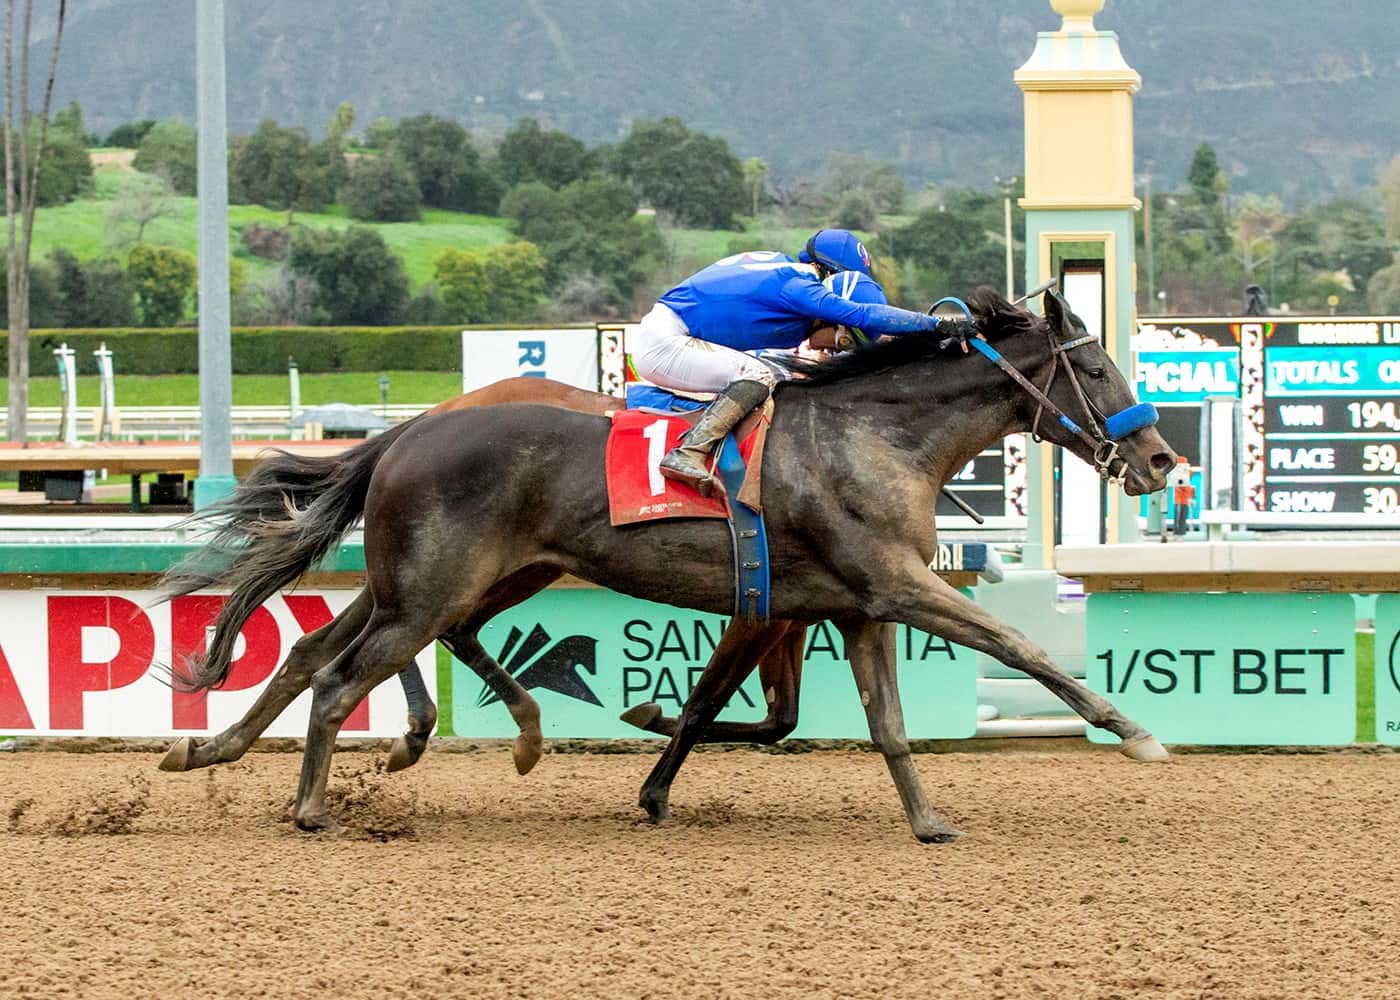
(280, 522)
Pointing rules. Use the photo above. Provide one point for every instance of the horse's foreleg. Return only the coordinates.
(461, 640)
(732, 661)
(936, 607)
(310, 653)
(870, 646)
(780, 674)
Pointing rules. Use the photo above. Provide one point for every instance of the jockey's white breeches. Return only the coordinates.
(664, 352)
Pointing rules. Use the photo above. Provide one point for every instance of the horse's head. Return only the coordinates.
(1117, 434)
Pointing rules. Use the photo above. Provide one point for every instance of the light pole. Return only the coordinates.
(384, 396)
(1007, 187)
(215, 375)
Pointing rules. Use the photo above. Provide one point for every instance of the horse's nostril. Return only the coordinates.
(1162, 461)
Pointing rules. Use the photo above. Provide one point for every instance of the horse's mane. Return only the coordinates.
(995, 318)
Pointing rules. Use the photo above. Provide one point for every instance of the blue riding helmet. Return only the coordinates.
(856, 286)
(836, 250)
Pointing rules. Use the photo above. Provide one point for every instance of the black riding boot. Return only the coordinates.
(688, 461)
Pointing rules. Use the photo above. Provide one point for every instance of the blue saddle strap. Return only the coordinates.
(751, 580)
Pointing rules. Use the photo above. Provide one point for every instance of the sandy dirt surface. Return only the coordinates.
(1081, 875)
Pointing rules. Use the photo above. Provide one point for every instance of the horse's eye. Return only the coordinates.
(1096, 373)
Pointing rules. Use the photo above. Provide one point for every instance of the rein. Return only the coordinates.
(1104, 433)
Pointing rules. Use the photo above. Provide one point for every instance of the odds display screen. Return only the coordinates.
(1332, 417)
(1319, 399)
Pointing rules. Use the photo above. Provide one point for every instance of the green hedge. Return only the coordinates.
(255, 351)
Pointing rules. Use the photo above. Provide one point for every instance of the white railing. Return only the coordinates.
(182, 422)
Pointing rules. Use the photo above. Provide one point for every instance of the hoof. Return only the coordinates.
(642, 716)
(1144, 748)
(658, 808)
(527, 750)
(401, 755)
(944, 835)
(317, 823)
(177, 758)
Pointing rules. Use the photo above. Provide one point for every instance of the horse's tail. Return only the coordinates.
(280, 521)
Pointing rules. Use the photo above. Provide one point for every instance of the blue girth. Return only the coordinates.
(746, 527)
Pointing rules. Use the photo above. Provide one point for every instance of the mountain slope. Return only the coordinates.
(1297, 97)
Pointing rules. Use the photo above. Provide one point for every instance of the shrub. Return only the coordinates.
(163, 278)
(267, 242)
(260, 350)
(502, 284)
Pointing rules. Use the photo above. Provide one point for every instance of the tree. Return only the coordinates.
(338, 128)
(755, 174)
(689, 175)
(279, 168)
(1256, 222)
(879, 181)
(130, 134)
(1204, 175)
(69, 118)
(45, 306)
(21, 193)
(163, 278)
(942, 253)
(358, 279)
(1383, 291)
(169, 150)
(588, 227)
(1390, 197)
(98, 294)
(530, 153)
(381, 189)
(379, 135)
(146, 198)
(857, 210)
(500, 285)
(446, 165)
(66, 171)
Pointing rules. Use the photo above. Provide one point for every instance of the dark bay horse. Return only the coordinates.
(262, 511)
(467, 509)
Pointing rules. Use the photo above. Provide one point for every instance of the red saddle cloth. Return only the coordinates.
(637, 491)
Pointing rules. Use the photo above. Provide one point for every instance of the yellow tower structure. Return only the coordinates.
(1080, 206)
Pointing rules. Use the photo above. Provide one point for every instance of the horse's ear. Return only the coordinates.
(1056, 311)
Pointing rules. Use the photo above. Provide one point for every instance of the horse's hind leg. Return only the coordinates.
(310, 653)
(461, 640)
(780, 674)
(386, 640)
(529, 745)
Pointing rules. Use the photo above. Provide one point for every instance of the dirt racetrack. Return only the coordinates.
(1082, 875)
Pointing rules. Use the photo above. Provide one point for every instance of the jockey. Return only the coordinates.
(695, 337)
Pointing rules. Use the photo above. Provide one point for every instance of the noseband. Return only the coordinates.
(1104, 432)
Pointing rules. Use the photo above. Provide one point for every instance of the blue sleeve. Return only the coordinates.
(812, 298)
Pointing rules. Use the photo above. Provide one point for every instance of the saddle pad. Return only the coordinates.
(637, 491)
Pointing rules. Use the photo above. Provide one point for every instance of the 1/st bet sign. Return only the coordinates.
(81, 664)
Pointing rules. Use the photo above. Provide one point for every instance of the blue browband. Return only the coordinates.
(1134, 418)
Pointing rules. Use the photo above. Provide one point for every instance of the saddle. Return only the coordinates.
(653, 423)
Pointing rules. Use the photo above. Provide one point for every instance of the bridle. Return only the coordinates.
(1103, 433)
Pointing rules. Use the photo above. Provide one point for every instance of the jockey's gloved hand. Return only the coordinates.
(954, 334)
